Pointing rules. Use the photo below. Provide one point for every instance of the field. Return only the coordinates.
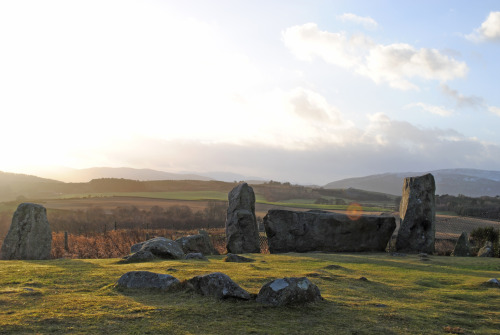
(402, 295)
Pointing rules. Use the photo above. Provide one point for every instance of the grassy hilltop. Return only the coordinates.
(403, 295)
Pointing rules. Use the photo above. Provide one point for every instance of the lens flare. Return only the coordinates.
(354, 211)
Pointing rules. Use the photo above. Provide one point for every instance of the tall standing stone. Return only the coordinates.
(29, 236)
(418, 215)
(242, 233)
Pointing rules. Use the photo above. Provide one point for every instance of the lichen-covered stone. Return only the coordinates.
(163, 248)
(418, 215)
(29, 236)
(139, 256)
(486, 250)
(199, 243)
(241, 224)
(147, 280)
(217, 285)
(289, 291)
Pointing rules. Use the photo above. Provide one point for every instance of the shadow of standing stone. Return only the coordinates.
(29, 236)
(418, 215)
(241, 224)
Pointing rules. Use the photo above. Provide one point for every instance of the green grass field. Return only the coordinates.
(216, 195)
(177, 195)
(403, 295)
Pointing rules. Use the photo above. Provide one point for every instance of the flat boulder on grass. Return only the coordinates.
(136, 247)
(289, 291)
(217, 285)
(163, 248)
(139, 256)
(199, 243)
(237, 259)
(493, 282)
(147, 280)
(196, 255)
(486, 251)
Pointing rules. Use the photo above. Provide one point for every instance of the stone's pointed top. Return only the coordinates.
(241, 197)
(29, 236)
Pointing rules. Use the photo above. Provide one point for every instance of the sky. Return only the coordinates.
(299, 91)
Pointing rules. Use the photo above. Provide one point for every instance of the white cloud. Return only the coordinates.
(438, 110)
(489, 30)
(312, 106)
(495, 110)
(385, 145)
(394, 64)
(307, 41)
(365, 21)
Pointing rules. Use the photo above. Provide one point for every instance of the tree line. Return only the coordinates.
(483, 207)
(97, 219)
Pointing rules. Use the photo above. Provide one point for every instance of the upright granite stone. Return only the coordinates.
(418, 215)
(29, 236)
(462, 247)
(290, 231)
(241, 224)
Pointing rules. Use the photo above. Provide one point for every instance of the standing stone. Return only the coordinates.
(462, 248)
(29, 236)
(241, 224)
(418, 215)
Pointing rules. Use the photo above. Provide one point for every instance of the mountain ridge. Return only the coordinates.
(469, 182)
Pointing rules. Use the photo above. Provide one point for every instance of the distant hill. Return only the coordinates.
(469, 182)
(230, 177)
(85, 175)
(13, 185)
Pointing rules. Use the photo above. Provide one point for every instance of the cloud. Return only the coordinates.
(312, 106)
(365, 21)
(494, 110)
(438, 110)
(462, 101)
(386, 145)
(489, 30)
(394, 64)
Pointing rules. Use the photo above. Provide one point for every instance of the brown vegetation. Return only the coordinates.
(116, 244)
